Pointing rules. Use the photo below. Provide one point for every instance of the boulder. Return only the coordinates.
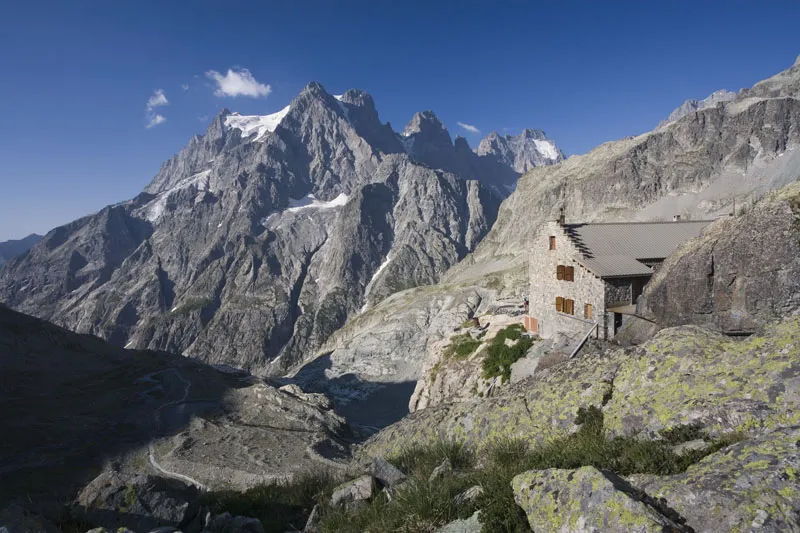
(385, 472)
(312, 524)
(467, 525)
(587, 500)
(469, 496)
(751, 486)
(691, 446)
(17, 519)
(441, 471)
(225, 523)
(141, 502)
(742, 273)
(359, 489)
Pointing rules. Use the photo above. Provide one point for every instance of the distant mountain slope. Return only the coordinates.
(13, 248)
(521, 152)
(260, 238)
(691, 106)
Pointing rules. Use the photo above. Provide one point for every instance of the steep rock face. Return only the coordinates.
(692, 106)
(521, 152)
(741, 273)
(15, 247)
(258, 240)
(695, 166)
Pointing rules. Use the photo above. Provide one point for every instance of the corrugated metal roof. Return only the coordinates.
(614, 265)
(637, 240)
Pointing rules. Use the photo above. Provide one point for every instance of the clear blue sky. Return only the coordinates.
(76, 76)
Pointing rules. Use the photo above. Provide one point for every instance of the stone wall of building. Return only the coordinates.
(545, 287)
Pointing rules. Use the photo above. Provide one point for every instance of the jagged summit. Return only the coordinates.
(522, 152)
(425, 122)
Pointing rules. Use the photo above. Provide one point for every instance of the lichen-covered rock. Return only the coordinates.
(385, 472)
(586, 500)
(740, 274)
(683, 375)
(467, 525)
(751, 486)
(359, 489)
(140, 503)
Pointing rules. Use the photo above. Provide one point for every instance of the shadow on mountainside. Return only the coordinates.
(368, 405)
(72, 402)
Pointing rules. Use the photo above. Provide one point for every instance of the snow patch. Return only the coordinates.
(547, 149)
(338, 96)
(155, 208)
(256, 124)
(311, 202)
(377, 273)
(129, 344)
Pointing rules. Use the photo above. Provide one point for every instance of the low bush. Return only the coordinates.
(461, 346)
(500, 356)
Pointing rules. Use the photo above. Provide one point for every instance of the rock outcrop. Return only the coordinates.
(684, 375)
(521, 152)
(692, 106)
(742, 273)
(587, 499)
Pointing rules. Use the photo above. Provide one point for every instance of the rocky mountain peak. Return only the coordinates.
(314, 87)
(522, 152)
(461, 145)
(425, 122)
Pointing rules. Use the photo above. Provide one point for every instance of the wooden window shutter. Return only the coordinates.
(552, 242)
(570, 307)
(560, 272)
(559, 304)
(587, 311)
(569, 273)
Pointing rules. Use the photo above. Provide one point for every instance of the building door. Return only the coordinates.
(617, 322)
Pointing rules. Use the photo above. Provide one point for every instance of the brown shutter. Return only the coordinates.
(559, 304)
(569, 273)
(560, 272)
(570, 307)
(552, 242)
(587, 311)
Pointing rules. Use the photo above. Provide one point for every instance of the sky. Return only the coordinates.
(95, 96)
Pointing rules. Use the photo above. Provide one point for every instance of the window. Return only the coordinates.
(552, 242)
(569, 273)
(587, 311)
(569, 307)
(560, 272)
(559, 304)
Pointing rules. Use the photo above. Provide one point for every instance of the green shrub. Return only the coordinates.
(461, 346)
(500, 356)
(420, 460)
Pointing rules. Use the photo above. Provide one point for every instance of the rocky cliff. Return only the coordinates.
(13, 248)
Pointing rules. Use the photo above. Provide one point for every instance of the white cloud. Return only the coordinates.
(155, 120)
(158, 99)
(203, 118)
(185, 87)
(238, 83)
(469, 127)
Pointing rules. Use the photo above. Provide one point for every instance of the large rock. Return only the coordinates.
(467, 525)
(684, 375)
(587, 500)
(385, 472)
(751, 486)
(225, 523)
(740, 274)
(140, 503)
(357, 490)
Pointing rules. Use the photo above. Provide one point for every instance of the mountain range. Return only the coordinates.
(260, 238)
